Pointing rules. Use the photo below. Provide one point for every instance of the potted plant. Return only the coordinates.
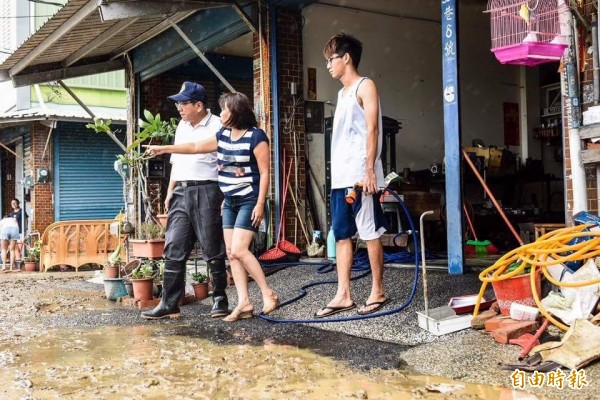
(162, 219)
(143, 281)
(131, 166)
(150, 241)
(112, 269)
(33, 257)
(200, 285)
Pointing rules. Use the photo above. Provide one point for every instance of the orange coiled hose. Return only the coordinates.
(554, 244)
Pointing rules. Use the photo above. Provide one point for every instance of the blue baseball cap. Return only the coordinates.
(190, 91)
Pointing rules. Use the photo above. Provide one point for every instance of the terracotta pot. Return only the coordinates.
(152, 248)
(162, 218)
(111, 271)
(142, 288)
(31, 266)
(200, 290)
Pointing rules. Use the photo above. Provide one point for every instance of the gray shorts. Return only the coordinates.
(10, 233)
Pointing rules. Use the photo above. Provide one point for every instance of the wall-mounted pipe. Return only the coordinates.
(578, 177)
(275, 115)
(595, 62)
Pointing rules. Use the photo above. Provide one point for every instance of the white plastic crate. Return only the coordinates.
(441, 326)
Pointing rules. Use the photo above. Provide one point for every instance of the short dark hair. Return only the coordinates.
(242, 115)
(343, 43)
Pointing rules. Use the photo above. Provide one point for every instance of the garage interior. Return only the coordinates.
(510, 116)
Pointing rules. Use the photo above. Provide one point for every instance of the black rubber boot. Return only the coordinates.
(218, 273)
(173, 287)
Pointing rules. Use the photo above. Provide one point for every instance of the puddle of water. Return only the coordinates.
(152, 362)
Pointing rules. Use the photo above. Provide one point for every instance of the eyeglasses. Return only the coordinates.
(330, 59)
(182, 103)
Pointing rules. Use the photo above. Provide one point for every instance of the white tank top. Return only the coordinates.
(349, 141)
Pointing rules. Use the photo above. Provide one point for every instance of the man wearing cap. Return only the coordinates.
(194, 207)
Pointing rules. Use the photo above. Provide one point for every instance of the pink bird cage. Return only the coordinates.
(526, 32)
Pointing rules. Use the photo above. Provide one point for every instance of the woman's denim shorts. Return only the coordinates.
(237, 212)
(10, 233)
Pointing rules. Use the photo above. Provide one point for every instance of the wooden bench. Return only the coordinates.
(76, 243)
(542, 229)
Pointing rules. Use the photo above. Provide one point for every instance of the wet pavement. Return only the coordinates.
(60, 339)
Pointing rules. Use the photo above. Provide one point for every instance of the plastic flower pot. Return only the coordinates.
(162, 218)
(30, 266)
(516, 290)
(111, 271)
(200, 290)
(152, 248)
(142, 288)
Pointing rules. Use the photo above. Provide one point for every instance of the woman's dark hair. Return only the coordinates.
(242, 115)
(343, 43)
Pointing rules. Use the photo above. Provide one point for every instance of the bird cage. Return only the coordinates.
(526, 32)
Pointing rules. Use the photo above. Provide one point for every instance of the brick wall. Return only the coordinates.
(155, 92)
(291, 115)
(41, 196)
(586, 77)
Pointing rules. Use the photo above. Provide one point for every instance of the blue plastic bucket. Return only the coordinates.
(114, 288)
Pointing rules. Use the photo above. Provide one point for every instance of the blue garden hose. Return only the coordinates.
(360, 264)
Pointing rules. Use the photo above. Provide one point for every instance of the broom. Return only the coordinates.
(478, 247)
(283, 251)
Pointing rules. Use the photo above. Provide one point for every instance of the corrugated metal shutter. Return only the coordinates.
(85, 184)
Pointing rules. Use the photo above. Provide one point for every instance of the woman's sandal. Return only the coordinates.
(271, 306)
(237, 314)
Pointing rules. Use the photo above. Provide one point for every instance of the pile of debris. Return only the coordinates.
(566, 263)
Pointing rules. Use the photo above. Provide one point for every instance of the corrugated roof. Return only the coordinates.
(63, 112)
(61, 42)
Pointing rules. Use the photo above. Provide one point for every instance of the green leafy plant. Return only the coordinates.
(33, 253)
(161, 271)
(199, 277)
(143, 271)
(114, 258)
(153, 128)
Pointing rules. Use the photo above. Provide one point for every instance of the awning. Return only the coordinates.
(91, 36)
(61, 112)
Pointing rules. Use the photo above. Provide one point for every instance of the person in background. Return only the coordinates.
(21, 216)
(193, 202)
(355, 160)
(244, 162)
(9, 234)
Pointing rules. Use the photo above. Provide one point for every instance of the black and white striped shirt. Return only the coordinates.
(238, 168)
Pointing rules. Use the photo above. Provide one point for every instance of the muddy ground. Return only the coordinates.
(59, 338)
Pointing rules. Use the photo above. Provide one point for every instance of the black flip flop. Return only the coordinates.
(379, 304)
(333, 310)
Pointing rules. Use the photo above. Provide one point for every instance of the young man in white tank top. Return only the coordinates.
(355, 159)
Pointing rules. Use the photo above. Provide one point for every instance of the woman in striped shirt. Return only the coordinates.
(243, 158)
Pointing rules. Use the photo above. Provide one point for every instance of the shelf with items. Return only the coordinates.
(545, 133)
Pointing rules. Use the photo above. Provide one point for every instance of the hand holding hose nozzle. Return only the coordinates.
(351, 193)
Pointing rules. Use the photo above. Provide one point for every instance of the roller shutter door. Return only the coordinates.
(85, 183)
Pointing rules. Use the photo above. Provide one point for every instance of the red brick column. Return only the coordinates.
(289, 35)
(291, 136)
(41, 195)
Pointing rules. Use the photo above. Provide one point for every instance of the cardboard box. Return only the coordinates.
(419, 202)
